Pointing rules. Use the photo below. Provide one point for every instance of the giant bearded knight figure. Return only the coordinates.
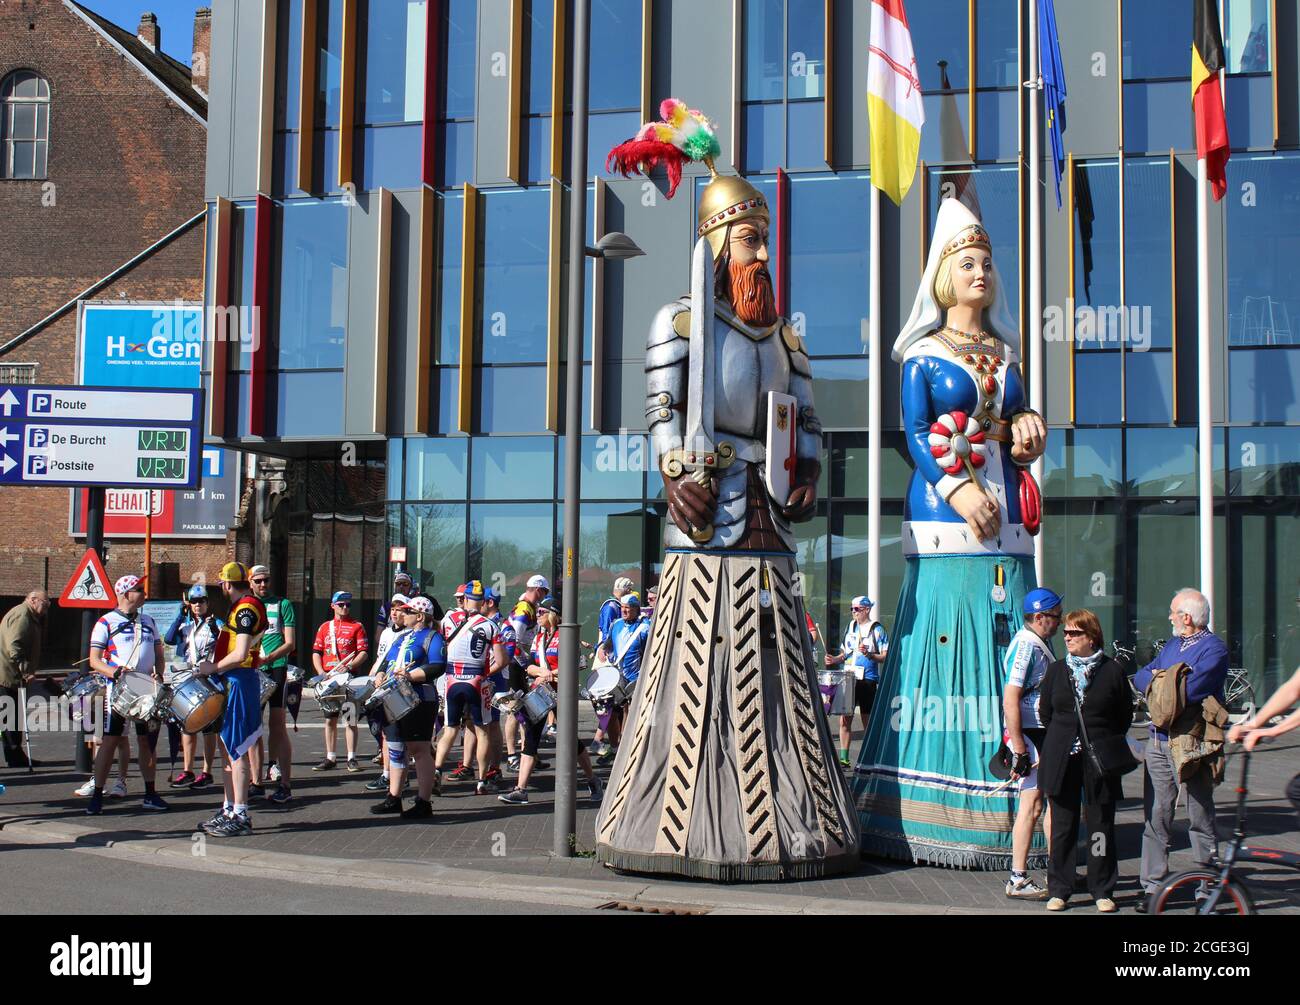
(727, 770)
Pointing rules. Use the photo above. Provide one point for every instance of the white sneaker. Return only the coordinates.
(117, 790)
(86, 790)
(275, 772)
(1025, 889)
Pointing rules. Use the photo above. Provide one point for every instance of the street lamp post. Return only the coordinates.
(613, 247)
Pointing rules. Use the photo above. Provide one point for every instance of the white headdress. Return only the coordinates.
(955, 226)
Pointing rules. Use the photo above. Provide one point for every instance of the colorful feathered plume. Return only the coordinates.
(683, 136)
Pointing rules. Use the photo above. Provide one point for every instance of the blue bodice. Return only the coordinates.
(935, 383)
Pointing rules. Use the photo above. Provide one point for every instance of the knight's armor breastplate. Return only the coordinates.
(749, 363)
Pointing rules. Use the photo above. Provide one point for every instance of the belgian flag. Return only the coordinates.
(1207, 99)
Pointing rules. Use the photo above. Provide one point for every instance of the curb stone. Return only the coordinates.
(455, 880)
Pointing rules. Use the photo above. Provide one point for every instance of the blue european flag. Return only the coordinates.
(1053, 74)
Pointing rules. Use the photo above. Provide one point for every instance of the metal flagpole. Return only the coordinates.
(1205, 432)
(876, 367)
(566, 740)
(1204, 396)
(1035, 361)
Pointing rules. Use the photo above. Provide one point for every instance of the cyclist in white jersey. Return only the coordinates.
(126, 641)
(474, 654)
(1025, 663)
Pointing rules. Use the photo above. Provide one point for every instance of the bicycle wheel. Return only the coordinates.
(1239, 696)
(1178, 894)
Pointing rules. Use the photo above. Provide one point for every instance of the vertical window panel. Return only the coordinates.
(1147, 266)
(451, 213)
(1262, 590)
(513, 467)
(997, 47)
(288, 62)
(806, 48)
(830, 216)
(460, 34)
(391, 70)
(1155, 40)
(764, 22)
(509, 541)
(1096, 257)
(311, 267)
(1247, 29)
(941, 32)
(514, 276)
(329, 72)
(1083, 555)
(436, 468)
(615, 27)
(436, 544)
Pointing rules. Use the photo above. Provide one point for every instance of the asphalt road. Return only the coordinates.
(57, 879)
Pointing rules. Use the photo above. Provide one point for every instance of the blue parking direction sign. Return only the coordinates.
(80, 436)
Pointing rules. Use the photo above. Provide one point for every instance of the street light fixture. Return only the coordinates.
(615, 247)
(612, 247)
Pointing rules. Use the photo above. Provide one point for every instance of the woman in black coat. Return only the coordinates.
(1065, 772)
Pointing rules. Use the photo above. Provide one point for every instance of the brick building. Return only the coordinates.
(102, 152)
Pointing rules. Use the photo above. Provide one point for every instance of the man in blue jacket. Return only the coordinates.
(1206, 657)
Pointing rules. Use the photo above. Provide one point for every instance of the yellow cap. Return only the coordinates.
(233, 572)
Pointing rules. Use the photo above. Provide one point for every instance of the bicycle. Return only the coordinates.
(1238, 695)
(1216, 890)
(1126, 657)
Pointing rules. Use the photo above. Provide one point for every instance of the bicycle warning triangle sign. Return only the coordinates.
(88, 586)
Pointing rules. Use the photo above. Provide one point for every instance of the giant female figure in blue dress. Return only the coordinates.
(922, 787)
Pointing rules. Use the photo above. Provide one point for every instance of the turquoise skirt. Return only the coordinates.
(922, 785)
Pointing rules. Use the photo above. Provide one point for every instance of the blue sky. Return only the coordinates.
(175, 18)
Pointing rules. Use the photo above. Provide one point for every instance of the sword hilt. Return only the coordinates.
(700, 464)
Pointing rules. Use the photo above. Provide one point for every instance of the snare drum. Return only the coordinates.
(265, 686)
(81, 690)
(136, 696)
(294, 675)
(359, 691)
(194, 703)
(540, 702)
(331, 691)
(394, 698)
(608, 686)
(837, 688)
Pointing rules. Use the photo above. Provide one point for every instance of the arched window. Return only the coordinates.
(24, 125)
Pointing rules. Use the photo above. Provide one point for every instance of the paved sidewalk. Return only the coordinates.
(327, 831)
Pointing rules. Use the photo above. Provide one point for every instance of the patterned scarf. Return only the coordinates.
(1081, 669)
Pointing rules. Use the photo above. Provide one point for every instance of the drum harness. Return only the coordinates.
(632, 637)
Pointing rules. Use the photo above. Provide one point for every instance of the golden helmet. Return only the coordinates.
(728, 199)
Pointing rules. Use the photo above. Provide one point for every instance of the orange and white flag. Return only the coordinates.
(893, 100)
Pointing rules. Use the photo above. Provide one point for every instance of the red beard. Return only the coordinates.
(752, 297)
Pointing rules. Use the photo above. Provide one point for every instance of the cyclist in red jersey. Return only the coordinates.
(341, 644)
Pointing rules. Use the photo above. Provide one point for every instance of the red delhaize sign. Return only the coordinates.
(125, 511)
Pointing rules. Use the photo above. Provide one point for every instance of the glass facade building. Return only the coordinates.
(388, 186)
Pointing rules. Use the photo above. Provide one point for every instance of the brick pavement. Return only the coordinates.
(329, 818)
